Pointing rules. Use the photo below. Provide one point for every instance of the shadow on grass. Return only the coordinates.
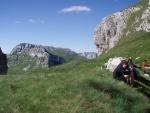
(144, 81)
(115, 93)
(144, 86)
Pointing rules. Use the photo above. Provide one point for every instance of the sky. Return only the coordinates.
(58, 23)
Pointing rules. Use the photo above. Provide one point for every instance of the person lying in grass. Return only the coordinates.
(121, 72)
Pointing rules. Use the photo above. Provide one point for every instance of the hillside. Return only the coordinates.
(67, 54)
(81, 86)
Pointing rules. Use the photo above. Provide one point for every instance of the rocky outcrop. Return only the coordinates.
(33, 55)
(27, 56)
(108, 32)
(113, 63)
(88, 55)
(145, 24)
(3, 63)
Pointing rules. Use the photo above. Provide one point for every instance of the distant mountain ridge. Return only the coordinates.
(30, 55)
(89, 55)
(26, 56)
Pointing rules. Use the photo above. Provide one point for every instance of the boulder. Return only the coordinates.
(113, 63)
(146, 71)
(3, 63)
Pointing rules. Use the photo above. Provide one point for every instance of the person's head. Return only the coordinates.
(144, 60)
(130, 58)
(124, 64)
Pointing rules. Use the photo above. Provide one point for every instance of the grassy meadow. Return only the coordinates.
(83, 86)
(78, 86)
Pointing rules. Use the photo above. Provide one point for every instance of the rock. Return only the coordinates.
(108, 32)
(88, 55)
(113, 63)
(145, 24)
(26, 68)
(3, 63)
(147, 75)
(29, 53)
(146, 71)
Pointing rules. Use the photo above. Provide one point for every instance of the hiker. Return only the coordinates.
(132, 68)
(144, 64)
(121, 72)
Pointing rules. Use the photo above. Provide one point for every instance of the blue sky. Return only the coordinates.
(59, 23)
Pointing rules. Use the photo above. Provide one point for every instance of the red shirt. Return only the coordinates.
(144, 64)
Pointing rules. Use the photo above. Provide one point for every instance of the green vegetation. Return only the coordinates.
(72, 87)
(67, 54)
(80, 86)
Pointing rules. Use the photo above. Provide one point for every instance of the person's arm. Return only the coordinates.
(135, 66)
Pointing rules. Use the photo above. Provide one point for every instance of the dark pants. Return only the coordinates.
(121, 78)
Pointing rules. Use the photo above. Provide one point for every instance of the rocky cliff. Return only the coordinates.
(3, 63)
(30, 55)
(26, 56)
(88, 55)
(110, 30)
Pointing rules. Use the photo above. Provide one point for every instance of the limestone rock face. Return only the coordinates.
(29, 53)
(26, 56)
(3, 63)
(88, 55)
(108, 32)
(145, 24)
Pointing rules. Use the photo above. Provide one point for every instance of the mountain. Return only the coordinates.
(26, 56)
(88, 55)
(112, 27)
(67, 54)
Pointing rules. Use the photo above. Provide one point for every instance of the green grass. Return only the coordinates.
(72, 87)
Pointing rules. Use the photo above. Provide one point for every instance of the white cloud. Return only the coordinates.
(75, 9)
(36, 21)
(18, 22)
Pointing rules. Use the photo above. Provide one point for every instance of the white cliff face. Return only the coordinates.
(108, 32)
(113, 63)
(37, 52)
(145, 24)
(88, 55)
